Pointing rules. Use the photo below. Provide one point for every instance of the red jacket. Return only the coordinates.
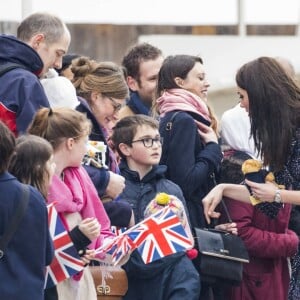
(269, 243)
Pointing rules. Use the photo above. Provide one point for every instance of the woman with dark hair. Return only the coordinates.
(271, 98)
(193, 160)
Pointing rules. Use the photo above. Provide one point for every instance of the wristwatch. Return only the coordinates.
(277, 197)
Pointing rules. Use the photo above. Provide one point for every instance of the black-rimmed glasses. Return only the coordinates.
(148, 142)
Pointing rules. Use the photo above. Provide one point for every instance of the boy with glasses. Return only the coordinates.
(137, 140)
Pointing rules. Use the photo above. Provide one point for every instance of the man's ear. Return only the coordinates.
(36, 40)
(132, 83)
(125, 149)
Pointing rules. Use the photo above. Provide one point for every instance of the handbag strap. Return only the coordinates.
(16, 219)
(168, 128)
(226, 211)
(222, 201)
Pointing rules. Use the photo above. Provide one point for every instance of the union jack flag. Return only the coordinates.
(160, 235)
(120, 248)
(66, 261)
(118, 230)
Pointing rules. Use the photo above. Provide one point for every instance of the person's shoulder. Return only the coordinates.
(176, 116)
(20, 74)
(168, 186)
(181, 121)
(36, 195)
(233, 114)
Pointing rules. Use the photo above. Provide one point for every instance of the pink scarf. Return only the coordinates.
(183, 100)
(76, 193)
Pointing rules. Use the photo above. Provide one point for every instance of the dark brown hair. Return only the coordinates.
(136, 55)
(7, 147)
(127, 127)
(28, 164)
(274, 108)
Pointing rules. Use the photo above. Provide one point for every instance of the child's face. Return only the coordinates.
(146, 146)
(50, 166)
(78, 150)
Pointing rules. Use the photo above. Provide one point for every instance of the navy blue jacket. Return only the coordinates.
(139, 192)
(21, 93)
(174, 276)
(22, 268)
(191, 164)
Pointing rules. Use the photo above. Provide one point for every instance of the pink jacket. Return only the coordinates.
(76, 193)
(269, 243)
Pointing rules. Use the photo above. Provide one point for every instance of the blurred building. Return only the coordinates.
(225, 33)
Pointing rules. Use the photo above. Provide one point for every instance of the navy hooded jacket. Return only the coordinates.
(172, 277)
(21, 93)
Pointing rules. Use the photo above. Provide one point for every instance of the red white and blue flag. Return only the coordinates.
(66, 261)
(120, 248)
(160, 235)
(118, 230)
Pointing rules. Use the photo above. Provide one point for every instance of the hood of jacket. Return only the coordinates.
(16, 51)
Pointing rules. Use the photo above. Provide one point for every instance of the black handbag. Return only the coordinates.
(221, 255)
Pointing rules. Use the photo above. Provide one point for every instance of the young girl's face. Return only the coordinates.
(78, 150)
(50, 167)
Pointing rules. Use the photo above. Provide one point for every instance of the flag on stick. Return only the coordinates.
(66, 261)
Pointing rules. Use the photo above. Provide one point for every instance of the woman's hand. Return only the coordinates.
(90, 227)
(230, 227)
(210, 202)
(207, 133)
(262, 191)
(115, 185)
(88, 256)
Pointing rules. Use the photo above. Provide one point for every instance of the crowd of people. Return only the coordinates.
(152, 117)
